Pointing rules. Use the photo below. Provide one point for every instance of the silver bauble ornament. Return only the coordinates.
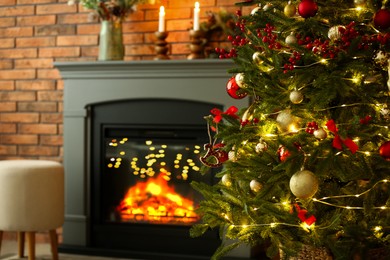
(291, 39)
(226, 180)
(287, 122)
(296, 97)
(232, 156)
(320, 133)
(359, 3)
(334, 33)
(385, 112)
(381, 58)
(304, 184)
(257, 57)
(261, 147)
(255, 185)
(249, 114)
(240, 80)
(255, 10)
(267, 6)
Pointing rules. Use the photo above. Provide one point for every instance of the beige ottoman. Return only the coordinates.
(31, 200)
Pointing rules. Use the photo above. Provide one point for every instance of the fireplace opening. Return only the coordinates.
(145, 153)
(147, 174)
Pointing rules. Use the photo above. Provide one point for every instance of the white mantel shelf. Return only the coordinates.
(141, 69)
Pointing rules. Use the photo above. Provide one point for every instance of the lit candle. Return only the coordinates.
(161, 20)
(196, 16)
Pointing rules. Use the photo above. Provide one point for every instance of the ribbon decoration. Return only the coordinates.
(214, 156)
(231, 111)
(338, 141)
(302, 216)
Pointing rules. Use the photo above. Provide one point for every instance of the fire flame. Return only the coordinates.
(154, 201)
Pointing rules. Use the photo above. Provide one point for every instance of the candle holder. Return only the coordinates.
(161, 46)
(196, 46)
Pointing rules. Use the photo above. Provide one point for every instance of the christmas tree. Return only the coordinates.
(306, 166)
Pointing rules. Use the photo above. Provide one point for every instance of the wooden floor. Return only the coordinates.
(9, 252)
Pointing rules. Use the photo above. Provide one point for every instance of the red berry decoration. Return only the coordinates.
(384, 150)
(382, 19)
(307, 8)
(233, 89)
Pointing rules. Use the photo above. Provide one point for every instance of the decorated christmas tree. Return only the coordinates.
(306, 166)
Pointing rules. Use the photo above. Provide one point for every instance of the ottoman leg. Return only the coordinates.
(54, 244)
(21, 236)
(31, 245)
(1, 238)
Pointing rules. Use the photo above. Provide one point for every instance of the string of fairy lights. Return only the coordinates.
(382, 108)
(377, 230)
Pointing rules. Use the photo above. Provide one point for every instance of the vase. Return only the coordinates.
(111, 41)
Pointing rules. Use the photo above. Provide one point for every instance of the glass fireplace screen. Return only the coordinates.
(147, 176)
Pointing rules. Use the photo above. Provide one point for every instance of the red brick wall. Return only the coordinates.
(35, 33)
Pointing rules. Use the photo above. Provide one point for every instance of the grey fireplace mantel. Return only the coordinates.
(88, 83)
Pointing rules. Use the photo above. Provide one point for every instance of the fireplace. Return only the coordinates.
(141, 168)
(132, 135)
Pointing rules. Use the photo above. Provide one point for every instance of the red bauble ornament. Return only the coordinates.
(283, 153)
(307, 8)
(384, 150)
(382, 19)
(232, 89)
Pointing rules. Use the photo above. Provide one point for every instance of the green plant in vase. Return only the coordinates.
(111, 14)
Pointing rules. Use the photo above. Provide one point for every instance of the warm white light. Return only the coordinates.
(293, 128)
(196, 16)
(161, 20)
(306, 227)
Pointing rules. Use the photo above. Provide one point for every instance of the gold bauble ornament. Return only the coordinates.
(290, 9)
(296, 97)
(287, 122)
(304, 184)
(255, 186)
(226, 180)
